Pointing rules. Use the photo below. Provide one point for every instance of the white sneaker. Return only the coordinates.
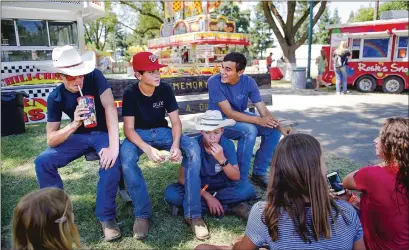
(338, 93)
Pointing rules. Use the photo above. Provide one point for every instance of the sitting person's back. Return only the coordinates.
(345, 229)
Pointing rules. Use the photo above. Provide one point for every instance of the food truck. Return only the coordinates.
(30, 30)
(379, 54)
(194, 40)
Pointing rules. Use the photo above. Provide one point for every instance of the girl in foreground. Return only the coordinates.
(44, 219)
(385, 189)
(298, 212)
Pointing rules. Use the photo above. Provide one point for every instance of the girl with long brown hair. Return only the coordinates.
(44, 219)
(385, 189)
(298, 212)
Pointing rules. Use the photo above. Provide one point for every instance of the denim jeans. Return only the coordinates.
(161, 138)
(246, 134)
(341, 78)
(48, 163)
(228, 193)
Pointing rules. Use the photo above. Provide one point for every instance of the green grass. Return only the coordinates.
(80, 177)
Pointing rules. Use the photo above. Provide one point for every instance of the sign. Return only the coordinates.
(204, 51)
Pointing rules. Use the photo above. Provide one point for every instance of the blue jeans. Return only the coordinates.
(161, 138)
(48, 163)
(246, 134)
(229, 193)
(341, 77)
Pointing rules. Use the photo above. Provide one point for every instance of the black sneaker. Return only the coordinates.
(260, 180)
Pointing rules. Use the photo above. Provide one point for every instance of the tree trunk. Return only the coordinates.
(290, 60)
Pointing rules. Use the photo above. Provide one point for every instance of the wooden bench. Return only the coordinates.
(191, 92)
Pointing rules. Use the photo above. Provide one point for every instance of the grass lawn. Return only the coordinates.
(80, 178)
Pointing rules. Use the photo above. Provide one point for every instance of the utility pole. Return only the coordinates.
(309, 81)
(376, 10)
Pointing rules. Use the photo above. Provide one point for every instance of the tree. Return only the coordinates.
(351, 17)
(323, 34)
(97, 32)
(364, 14)
(394, 5)
(285, 30)
(231, 10)
(261, 34)
(335, 17)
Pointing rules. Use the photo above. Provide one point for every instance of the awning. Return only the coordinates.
(380, 34)
(400, 32)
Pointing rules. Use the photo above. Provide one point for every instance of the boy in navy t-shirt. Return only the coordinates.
(229, 92)
(74, 140)
(222, 190)
(144, 107)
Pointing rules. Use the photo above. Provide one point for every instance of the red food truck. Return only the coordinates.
(379, 54)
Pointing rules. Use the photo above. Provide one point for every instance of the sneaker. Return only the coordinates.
(199, 228)
(241, 210)
(338, 93)
(260, 180)
(140, 228)
(111, 230)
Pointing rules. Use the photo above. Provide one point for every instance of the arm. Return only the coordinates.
(132, 136)
(232, 171)
(175, 153)
(273, 122)
(348, 182)
(244, 243)
(237, 116)
(359, 244)
(56, 136)
(109, 155)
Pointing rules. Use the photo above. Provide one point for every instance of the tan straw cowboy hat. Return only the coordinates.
(212, 120)
(67, 61)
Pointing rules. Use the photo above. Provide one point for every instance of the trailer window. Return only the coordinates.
(356, 48)
(62, 33)
(25, 55)
(8, 34)
(32, 33)
(375, 48)
(402, 47)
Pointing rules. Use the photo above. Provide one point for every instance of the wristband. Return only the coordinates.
(352, 198)
(225, 163)
(204, 189)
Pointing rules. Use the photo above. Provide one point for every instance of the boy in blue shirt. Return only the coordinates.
(222, 190)
(229, 92)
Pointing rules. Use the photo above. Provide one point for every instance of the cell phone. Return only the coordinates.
(334, 180)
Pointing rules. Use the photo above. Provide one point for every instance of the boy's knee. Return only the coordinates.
(246, 190)
(172, 195)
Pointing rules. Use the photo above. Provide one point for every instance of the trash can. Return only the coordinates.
(298, 78)
(12, 113)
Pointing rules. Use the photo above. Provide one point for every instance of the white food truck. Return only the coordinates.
(30, 30)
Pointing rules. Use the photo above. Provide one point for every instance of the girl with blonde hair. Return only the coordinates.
(340, 61)
(44, 219)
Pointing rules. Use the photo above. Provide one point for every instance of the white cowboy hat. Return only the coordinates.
(67, 61)
(212, 120)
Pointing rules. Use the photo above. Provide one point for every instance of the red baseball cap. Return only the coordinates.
(146, 61)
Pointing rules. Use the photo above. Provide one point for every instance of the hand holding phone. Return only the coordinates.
(334, 181)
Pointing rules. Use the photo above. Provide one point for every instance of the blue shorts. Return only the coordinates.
(320, 73)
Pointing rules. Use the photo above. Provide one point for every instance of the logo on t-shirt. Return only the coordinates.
(217, 168)
(157, 105)
(241, 96)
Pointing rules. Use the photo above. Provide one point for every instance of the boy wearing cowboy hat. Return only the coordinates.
(144, 107)
(74, 140)
(229, 92)
(222, 190)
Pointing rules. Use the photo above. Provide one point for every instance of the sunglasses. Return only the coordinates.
(70, 78)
